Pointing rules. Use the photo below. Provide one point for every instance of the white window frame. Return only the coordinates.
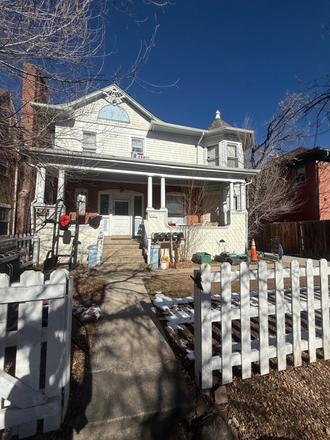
(217, 156)
(232, 144)
(184, 204)
(86, 148)
(137, 153)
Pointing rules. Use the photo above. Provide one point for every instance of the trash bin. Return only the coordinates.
(154, 255)
(92, 256)
(204, 257)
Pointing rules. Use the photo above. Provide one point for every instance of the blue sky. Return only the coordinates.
(238, 56)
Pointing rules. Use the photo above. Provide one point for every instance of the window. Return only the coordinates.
(137, 147)
(113, 113)
(104, 204)
(175, 204)
(300, 176)
(232, 161)
(213, 156)
(89, 141)
(4, 218)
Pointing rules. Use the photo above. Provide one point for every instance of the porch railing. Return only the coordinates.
(147, 239)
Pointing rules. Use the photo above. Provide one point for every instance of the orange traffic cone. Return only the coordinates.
(254, 256)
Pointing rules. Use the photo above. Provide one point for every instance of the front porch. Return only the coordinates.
(138, 198)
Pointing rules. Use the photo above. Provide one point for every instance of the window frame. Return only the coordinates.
(85, 147)
(216, 157)
(233, 158)
(300, 178)
(136, 153)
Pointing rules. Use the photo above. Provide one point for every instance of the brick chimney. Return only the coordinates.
(34, 89)
(35, 134)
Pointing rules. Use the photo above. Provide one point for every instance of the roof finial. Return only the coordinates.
(217, 115)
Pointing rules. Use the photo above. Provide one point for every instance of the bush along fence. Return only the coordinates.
(35, 346)
(288, 321)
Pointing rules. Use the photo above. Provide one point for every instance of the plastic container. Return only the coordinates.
(163, 265)
(154, 256)
(167, 261)
(92, 256)
(205, 257)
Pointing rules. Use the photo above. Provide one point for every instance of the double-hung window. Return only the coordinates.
(89, 142)
(213, 156)
(137, 147)
(232, 160)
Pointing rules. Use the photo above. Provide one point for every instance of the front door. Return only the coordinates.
(121, 220)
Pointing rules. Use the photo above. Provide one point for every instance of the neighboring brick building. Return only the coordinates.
(311, 170)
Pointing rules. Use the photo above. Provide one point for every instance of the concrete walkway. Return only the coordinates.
(135, 388)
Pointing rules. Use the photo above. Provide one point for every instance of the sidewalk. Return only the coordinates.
(135, 388)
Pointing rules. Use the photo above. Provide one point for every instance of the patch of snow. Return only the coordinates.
(190, 354)
(87, 312)
(183, 342)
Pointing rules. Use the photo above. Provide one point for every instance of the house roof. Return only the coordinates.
(59, 112)
(302, 155)
(218, 122)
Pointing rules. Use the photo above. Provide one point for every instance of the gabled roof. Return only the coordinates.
(60, 112)
(112, 92)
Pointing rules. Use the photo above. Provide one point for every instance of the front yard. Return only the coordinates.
(291, 404)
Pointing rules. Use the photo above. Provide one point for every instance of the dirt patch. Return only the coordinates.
(292, 404)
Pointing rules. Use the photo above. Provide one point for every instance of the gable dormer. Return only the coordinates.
(223, 145)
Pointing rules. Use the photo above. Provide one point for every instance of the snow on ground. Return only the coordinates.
(87, 312)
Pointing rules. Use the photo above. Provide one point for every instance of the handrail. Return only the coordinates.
(147, 239)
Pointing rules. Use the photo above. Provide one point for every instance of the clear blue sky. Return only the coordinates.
(238, 56)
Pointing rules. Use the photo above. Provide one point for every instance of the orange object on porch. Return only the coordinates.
(254, 256)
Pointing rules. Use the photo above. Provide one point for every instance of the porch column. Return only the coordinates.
(231, 196)
(162, 193)
(61, 185)
(225, 206)
(150, 206)
(243, 197)
(40, 185)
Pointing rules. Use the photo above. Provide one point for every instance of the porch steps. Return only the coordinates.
(122, 254)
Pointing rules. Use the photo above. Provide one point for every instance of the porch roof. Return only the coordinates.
(104, 167)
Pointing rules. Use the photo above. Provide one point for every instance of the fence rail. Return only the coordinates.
(286, 307)
(24, 243)
(35, 345)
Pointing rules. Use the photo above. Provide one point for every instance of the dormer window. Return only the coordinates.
(213, 156)
(232, 160)
(89, 142)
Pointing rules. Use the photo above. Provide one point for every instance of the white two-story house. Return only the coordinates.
(136, 169)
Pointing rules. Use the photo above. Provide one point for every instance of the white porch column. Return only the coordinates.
(231, 196)
(61, 185)
(224, 205)
(243, 197)
(150, 206)
(40, 185)
(162, 193)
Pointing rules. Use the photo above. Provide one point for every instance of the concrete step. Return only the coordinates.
(121, 267)
(109, 251)
(110, 259)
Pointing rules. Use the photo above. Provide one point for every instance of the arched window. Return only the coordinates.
(113, 113)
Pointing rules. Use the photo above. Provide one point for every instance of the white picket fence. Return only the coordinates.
(34, 312)
(246, 305)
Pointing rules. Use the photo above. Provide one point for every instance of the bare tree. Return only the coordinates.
(272, 194)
